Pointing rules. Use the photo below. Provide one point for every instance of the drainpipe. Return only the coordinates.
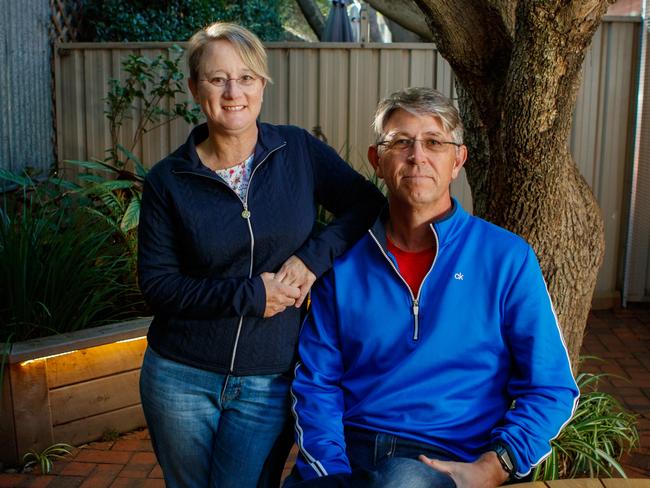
(641, 82)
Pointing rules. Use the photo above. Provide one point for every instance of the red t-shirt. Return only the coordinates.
(413, 266)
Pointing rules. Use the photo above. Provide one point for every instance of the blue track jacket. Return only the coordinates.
(476, 357)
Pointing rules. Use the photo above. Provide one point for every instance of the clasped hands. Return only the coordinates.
(288, 287)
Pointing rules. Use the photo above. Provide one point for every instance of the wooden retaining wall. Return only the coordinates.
(72, 388)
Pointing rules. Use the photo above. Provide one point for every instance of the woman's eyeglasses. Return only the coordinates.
(243, 81)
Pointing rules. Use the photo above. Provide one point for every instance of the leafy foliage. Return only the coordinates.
(115, 184)
(61, 268)
(177, 20)
(150, 85)
(592, 443)
(115, 196)
(44, 458)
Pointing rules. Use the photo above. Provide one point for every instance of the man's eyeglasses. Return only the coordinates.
(405, 145)
(243, 81)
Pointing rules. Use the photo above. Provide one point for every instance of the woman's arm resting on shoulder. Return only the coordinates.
(349, 196)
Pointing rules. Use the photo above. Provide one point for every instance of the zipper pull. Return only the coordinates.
(246, 214)
(416, 325)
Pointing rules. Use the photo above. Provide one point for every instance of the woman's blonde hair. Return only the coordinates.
(248, 46)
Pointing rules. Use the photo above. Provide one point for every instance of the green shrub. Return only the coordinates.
(61, 268)
(175, 20)
(148, 87)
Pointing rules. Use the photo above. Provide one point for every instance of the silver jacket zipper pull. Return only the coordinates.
(416, 312)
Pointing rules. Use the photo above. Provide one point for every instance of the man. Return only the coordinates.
(432, 355)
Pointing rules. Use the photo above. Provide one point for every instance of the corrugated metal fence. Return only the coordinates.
(26, 129)
(337, 86)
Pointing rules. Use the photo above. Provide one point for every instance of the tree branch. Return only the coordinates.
(405, 13)
(313, 16)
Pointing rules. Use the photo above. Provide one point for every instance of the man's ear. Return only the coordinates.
(459, 161)
(373, 159)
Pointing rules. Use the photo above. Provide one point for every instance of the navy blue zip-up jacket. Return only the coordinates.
(202, 248)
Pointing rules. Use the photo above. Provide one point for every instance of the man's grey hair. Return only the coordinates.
(419, 101)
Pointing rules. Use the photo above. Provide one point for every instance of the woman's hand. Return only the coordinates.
(294, 273)
(278, 295)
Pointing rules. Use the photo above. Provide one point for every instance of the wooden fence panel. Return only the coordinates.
(276, 95)
(132, 117)
(69, 70)
(334, 96)
(601, 138)
(303, 91)
(616, 156)
(364, 93)
(156, 144)
(97, 71)
(422, 68)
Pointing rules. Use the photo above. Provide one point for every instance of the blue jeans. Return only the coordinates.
(211, 430)
(382, 461)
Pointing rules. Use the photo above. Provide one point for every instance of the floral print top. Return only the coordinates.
(237, 177)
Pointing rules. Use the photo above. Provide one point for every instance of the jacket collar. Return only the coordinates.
(268, 140)
(446, 227)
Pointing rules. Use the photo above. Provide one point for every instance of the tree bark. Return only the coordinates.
(313, 15)
(517, 66)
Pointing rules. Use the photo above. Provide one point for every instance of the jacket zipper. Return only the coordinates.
(246, 214)
(415, 307)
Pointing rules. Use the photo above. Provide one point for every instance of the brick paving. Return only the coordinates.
(620, 338)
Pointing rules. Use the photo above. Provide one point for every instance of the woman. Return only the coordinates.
(227, 254)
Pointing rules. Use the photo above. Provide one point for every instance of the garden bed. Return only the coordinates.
(72, 388)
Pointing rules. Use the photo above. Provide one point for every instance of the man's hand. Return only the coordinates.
(485, 472)
(278, 295)
(294, 273)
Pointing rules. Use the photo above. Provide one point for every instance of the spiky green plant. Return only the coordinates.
(44, 458)
(61, 268)
(592, 443)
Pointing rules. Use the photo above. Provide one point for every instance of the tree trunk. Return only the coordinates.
(517, 66)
